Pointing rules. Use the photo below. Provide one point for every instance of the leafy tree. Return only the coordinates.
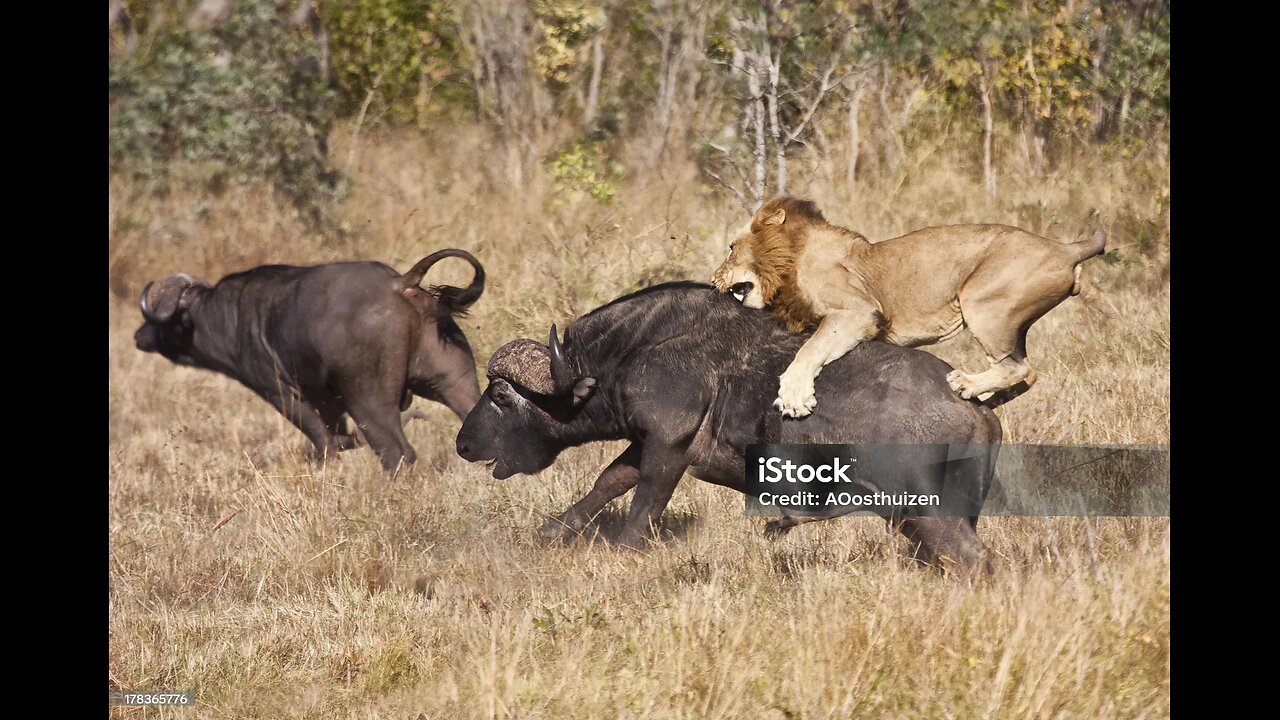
(239, 102)
(396, 59)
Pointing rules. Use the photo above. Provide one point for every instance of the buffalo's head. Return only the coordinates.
(519, 425)
(166, 306)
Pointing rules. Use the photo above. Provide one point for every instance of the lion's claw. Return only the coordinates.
(796, 408)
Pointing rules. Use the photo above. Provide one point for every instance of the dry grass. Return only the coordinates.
(335, 592)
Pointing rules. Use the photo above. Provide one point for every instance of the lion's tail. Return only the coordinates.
(1084, 249)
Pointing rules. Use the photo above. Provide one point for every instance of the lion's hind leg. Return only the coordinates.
(1000, 376)
(1006, 346)
(999, 310)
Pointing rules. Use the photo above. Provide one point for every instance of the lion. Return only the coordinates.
(920, 288)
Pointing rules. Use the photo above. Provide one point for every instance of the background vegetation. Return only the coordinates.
(582, 150)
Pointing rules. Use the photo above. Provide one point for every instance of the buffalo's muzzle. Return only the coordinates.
(741, 290)
(145, 339)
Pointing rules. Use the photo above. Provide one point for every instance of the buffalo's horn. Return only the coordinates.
(561, 375)
(525, 363)
(147, 312)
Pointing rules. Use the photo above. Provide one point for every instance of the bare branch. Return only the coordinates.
(737, 194)
(824, 89)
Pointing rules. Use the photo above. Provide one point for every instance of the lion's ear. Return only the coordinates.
(777, 217)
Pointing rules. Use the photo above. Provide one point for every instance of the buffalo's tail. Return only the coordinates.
(455, 299)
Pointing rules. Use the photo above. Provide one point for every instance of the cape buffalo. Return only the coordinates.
(688, 376)
(319, 342)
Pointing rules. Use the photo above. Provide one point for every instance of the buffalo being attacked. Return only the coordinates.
(318, 343)
(688, 375)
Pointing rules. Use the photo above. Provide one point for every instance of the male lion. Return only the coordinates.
(912, 290)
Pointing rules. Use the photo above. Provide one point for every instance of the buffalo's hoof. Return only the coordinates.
(633, 542)
(557, 530)
(775, 529)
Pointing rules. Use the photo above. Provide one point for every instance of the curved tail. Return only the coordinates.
(455, 299)
(1085, 249)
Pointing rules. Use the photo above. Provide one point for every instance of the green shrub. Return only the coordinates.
(396, 60)
(585, 168)
(243, 102)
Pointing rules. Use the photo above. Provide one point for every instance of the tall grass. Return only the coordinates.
(335, 592)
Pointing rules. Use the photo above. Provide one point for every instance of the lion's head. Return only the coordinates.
(760, 268)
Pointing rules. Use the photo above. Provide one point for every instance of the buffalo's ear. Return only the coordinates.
(184, 300)
(501, 393)
(582, 389)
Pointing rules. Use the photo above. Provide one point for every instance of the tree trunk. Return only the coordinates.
(1096, 124)
(757, 118)
(693, 102)
(593, 88)
(988, 128)
(1124, 109)
(117, 17)
(666, 91)
(893, 142)
(775, 129)
(1024, 143)
(855, 138)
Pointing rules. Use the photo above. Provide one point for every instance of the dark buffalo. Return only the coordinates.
(319, 342)
(688, 375)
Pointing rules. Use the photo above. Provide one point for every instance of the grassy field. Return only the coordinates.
(275, 589)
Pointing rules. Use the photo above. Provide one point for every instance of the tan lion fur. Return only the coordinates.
(920, 288)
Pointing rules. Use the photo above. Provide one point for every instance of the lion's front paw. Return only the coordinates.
(796, 397)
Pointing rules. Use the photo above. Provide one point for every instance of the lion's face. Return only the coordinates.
(736, 275)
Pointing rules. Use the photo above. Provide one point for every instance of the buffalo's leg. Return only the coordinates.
(781, 526)
(334, 416)
(290, 402)
(838, 333)
(661, 468)
(379, 421)
(620, 476)
(947, 543)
